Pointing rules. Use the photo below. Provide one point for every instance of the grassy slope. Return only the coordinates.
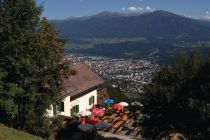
(12, 134)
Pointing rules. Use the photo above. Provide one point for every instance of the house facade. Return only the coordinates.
(80, 92)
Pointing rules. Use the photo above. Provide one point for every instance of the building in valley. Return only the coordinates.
(80, 92)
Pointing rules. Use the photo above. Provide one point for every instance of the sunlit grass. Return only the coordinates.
(12, 134)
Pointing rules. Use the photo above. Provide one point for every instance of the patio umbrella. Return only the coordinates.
(108, 101)
(85, 127)
(123, 103)
(93, 120)
(97, 111)
(136, 104)
(85, 113)
(101, 125)
(118, 106)
(93, 107)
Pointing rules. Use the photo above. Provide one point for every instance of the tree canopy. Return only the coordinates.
(31, 66)
(178, 99)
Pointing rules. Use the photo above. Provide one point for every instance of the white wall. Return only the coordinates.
(66, 106)
(83, 103)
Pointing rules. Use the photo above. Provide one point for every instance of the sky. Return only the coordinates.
(61, 9)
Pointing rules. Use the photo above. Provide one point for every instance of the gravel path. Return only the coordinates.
(109, 136)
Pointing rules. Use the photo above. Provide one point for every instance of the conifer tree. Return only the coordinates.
(31, 66)
(17, 25)
(178, 99)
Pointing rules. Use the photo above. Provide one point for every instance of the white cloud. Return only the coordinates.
(149, 9)
(188, 16)
(140, 8)
(133, 9)
(123, 8)
(206, 16)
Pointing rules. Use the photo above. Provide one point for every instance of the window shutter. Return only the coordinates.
(77, 108)
(91, 100)
(72, 112)
(54, 109)
(62, 106)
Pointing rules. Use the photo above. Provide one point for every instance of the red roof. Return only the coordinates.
(84, 80)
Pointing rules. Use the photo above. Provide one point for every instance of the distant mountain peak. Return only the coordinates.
(127, 14)
(116, 14)
(157, 24)
(162, 13)
(107, 13)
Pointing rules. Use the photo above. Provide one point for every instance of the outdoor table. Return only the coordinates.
(109, 120)
(124, 117)
(118, 124)
(127, 112)
(110, 108)
(104, 117)
(115, 119)
(101, 115)
(120, 128)
(106, 121)
(112, 116)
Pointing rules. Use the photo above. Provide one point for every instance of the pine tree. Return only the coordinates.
(177, 99)
(17, 25)
(31, 66)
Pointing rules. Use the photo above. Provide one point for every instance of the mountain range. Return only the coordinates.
(157, 24)
(158, 35)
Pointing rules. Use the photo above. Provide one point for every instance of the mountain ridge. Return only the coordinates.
(157, 24)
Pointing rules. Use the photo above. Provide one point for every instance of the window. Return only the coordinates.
(74, 110)
(62, 106)
(57, 108)
(91, 100)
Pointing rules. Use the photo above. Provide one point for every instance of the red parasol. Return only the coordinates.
(93, 120)
(83, 119)
(97, 111)
(117, 106)
(94, 106)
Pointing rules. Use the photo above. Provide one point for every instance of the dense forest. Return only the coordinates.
(178, 99)
(31, 66)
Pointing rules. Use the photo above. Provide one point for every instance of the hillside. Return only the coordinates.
(159, 35)
(158, 24)
(12, 134)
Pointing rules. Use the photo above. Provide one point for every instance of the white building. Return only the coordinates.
(80, 92)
